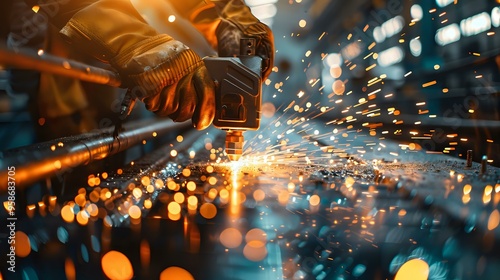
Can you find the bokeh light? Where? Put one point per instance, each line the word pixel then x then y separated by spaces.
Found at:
pixel 256 234
pixel 69 269
pixel 135 212
pixel 415 269
pixel 23 246
pixel 67 214
pixel 259 195
pixel 338 87
pixel 174 208
pixel 255 250
pixel 117 266
pixel 208 210
pixel 175 272
pixel 494 220
pixel 314 200
pixel 231 238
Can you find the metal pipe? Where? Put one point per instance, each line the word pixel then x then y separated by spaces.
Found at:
pixel 35 162
pixel 40 61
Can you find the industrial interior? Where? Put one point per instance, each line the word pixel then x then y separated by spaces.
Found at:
pixel 376 156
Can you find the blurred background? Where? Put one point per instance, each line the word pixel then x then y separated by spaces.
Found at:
pixel 418 71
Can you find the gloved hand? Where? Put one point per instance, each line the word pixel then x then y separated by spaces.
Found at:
pixel 190 97
pixel 234 20
pixel 175 83
pixel 239 22
pixel 165 74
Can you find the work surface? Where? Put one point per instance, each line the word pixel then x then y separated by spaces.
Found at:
pixel 386 214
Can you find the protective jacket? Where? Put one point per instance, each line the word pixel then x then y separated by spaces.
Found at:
pixel 164 73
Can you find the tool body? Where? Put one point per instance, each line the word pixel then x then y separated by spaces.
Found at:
pixel 238 95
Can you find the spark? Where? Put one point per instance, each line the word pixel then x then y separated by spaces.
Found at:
pixel 428 84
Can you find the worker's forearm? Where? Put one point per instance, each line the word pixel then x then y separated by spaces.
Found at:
pixel 221 4
pixel 187 8
pixel 235 10
pixel 59 11
pixel 104 28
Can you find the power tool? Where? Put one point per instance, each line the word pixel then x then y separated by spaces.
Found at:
pixel 238 94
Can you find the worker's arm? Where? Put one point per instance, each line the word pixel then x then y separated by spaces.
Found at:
pixel 59 12
pixel 238 22
pixel 224 22
pixel 168 76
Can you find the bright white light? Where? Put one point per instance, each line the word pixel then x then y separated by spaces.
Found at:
pixel 326 79
pixel 393 26
pixel 264 11
pixel 378 34
pixel 302 23
pixel 333 59
pixel 388 29
pixel 495 17
pixel 444 3
pixel 390 56
pixel 395 72
pixel 475 24
pixel 415 47
pixel 448 34
pixel 268 21
pixel 416 11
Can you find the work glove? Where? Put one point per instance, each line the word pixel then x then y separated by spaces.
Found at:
pixel 166 75
pixel 232 20
pixel 174 83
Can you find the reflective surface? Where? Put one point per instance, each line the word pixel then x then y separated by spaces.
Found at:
pixel 198 215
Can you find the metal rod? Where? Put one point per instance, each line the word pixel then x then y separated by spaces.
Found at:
pixel 40 61
pixel 35 162
pixel 484 165
pixel 469 158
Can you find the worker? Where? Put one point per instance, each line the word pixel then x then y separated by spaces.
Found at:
pixel 168 76
pixel 45 106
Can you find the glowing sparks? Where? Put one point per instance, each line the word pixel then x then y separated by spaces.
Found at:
pixel 428 84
